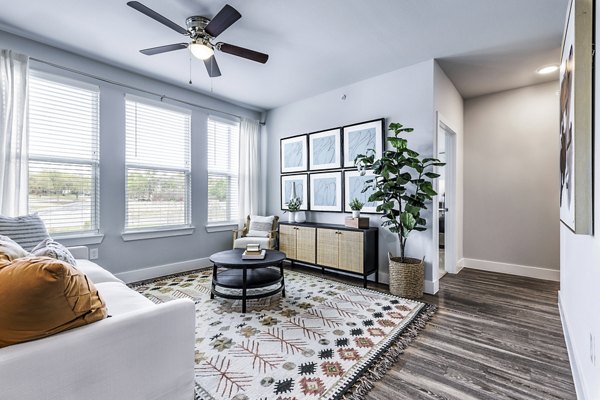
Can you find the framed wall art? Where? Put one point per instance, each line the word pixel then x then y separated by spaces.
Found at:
pixel 294 183
pixel 354 183
pixel 576 118
pixel 326 191
pixel 359 138
pixel 294 154
pixel 325 149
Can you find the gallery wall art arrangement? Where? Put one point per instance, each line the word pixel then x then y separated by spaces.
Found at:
pixel 319 166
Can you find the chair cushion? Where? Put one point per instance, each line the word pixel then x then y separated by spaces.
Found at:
pixel 26 230
pixel 53 249
pixel 120 299
pixel 265 243
pixel 260 226
pixel 40 296
pixel 96 273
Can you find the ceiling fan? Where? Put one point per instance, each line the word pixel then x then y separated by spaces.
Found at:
pixel 202 31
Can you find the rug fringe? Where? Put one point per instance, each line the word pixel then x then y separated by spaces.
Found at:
pixel 366 382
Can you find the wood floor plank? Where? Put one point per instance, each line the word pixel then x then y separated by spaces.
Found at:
pixel 495 336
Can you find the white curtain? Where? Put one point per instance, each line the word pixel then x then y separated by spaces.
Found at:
pixel 14 75
pixel 249 175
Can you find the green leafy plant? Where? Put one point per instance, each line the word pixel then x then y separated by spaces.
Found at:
pixel 294 204
pixel 402 183
pixel 356 205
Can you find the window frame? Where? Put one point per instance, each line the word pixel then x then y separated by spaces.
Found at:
pixel 159 231
pixel 92 235
pixel 215 226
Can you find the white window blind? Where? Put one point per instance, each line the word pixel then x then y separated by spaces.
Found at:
pixel 223 160
pixel 63 153
pixel 158 165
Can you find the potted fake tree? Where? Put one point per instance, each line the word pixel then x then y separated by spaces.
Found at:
pixel 402 186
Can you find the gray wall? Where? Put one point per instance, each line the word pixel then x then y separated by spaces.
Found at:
pixel 511 186
pixel 404 96
pixel 115 254
pixel 579 278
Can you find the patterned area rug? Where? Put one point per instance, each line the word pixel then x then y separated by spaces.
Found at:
pixel 325 340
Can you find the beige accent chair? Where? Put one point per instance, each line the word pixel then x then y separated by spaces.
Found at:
pixel 261 230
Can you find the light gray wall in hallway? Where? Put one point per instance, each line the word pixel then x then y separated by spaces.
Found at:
pixel 511 148
pixel 404 96
pixel 115 254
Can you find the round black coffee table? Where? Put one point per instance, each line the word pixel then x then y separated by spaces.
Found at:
pixel 247 275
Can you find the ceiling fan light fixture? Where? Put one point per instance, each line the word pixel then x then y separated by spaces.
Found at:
pixel 202 50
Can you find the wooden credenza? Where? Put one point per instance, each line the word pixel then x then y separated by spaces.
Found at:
pixel 329 246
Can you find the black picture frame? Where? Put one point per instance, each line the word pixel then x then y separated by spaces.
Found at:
pixel 378 125
pixel 303 139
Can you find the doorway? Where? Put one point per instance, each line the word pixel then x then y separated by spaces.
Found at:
pixel 444 211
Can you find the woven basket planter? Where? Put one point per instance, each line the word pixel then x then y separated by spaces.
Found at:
pixel 406 278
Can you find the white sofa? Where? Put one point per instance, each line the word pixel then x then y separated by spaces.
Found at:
pixel 143 351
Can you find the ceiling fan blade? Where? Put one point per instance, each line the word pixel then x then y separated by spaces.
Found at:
pixel 243 52
pixel 136 5
pixel 223 20
pixel 212 67
pixel 163 49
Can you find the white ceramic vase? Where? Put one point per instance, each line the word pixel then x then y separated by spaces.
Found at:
pixel 300 216
pixel 355 213
pixel 291 216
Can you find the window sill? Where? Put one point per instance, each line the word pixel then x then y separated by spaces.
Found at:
pixel 220 227
pixel 143 234
pixel 81 239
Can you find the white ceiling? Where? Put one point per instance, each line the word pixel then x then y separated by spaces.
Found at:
pixel 314 45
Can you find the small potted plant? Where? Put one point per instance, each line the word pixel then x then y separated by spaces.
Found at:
pixel 356 205
pixel 293 207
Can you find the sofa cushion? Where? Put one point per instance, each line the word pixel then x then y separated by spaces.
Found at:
pixel 40 296
pixel 27 230
pixel 10 250
pixel 96 273
pixel 51 248
pixel 120 299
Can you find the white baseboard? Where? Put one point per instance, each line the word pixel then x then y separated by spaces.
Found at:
pixel 580 387
pixel 162 270
pixel 384 277
pixel 431 287
pixel 460 265
pixel 513 269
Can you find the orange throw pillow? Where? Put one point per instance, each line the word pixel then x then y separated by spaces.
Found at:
pixel 40 296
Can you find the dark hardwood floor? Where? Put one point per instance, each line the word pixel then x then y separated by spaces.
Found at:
pixel 494 336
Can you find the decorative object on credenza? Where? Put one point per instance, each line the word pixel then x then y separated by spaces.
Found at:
pixel 325 149
pixel 358 138
pixel 576 97
pixel 294 154
pixel 326 191
pixel 402 182
pixel 294 183
pixel 356 205
pixel 359 222
pixel 293 207
pixel 355 188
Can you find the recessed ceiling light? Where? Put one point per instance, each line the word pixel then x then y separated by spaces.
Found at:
pixel 547 69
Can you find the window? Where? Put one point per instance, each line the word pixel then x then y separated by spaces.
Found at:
pixel 157 158
pixel 63 153
pixel 223 157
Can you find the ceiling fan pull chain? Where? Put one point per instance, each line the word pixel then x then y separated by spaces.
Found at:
pixel 190 68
